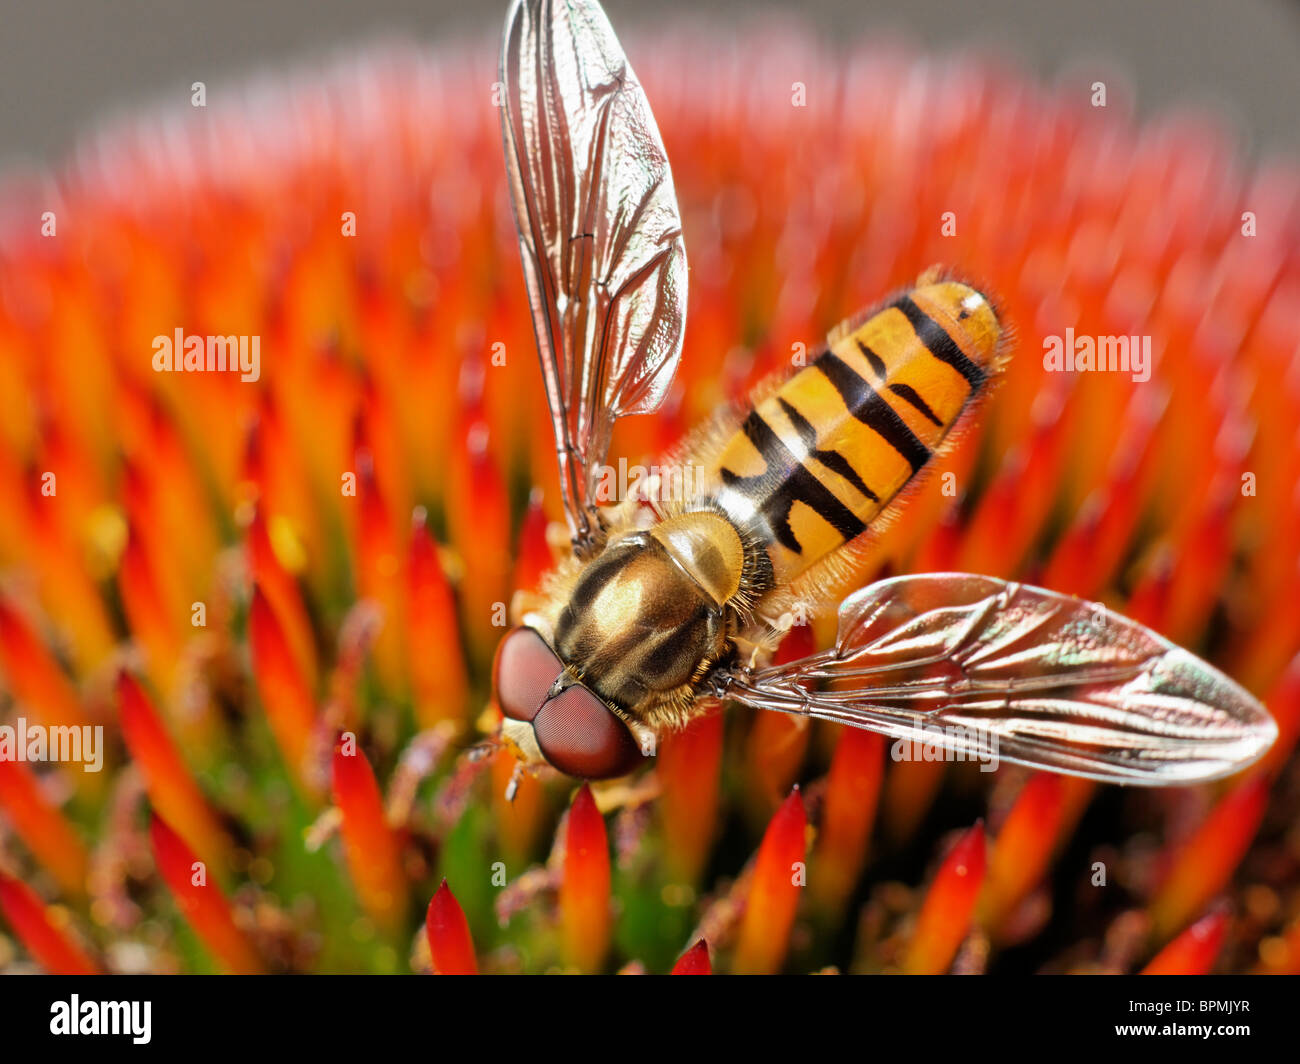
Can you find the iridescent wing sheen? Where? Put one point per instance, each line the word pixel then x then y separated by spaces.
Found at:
pixel 982 666
pixel 599 232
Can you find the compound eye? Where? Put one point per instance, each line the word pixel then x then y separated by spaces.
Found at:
pixel 580 736
pixel 524 670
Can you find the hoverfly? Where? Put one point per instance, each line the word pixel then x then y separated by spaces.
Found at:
pixel 666 602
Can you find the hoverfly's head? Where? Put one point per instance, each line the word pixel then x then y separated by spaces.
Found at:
pixel 552 718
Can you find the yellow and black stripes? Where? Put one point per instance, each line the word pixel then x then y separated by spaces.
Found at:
pixel 817 461
pixel 938 341
pixel 867 405
pixel 785 481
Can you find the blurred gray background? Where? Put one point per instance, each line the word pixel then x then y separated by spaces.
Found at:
pixel 64 64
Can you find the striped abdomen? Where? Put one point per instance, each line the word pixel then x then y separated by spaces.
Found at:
pixel 815 462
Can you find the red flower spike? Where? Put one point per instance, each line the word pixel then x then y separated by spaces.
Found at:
pixel 52 949
pixel 533 558
pixel 373 850
pixel 201 901
pixel 44 830
pixel 1284 704
pixel 774 888
pixel 848 813
pixel 143 500
pixel 282 688
pixel 1262 656
pixel 1023 848
pixel 695 961
pixel 1003 525
pixel 172 788
pixel 584 887
pixel 1201 866
pixel 946 914
pixel 281 590
pixel 450 944
pixel 1194 951
pixel 479 523
pixel 437 661
pixel 33 675
pixel 152 625
pixel 689 767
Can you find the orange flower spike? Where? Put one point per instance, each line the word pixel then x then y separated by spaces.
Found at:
pixel 689 767
pixel 585 922
pixel 1076 794
pixel 695 961
pixel 518 822
pixel 281 589
pixel 450 943
pixel 436 661
pixel 848 813
pixel 147 612
pixel 282 688
pixel 774 889
pixel 200 901
pixel 68 571
pixel 142 498
pixel 281 487
pixel 172 788
pixel 44 830
pixel 33 675
pixel 39 929
pixel 777 742
pixel 373 849
pixel 379 574
pixel 1023 848
pixel 479 520
pixel 1194 951
pixel 910 789
pixel 181 505
pixel 1201 866
pixel 949 906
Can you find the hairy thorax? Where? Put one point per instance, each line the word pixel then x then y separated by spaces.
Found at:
pixel 652 612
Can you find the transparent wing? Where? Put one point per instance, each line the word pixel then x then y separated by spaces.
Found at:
pixel 981 665
pixel 599 231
